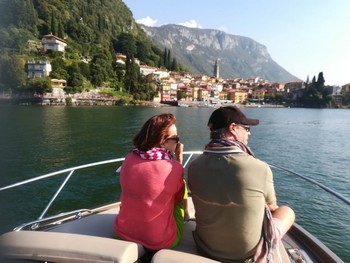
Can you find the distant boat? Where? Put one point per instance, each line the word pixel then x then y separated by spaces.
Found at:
pixel 206 105
pixel 182 104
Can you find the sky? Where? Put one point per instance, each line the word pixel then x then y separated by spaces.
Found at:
pixel 305 37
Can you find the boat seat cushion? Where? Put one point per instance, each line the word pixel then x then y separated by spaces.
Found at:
pixel 187 251
pixel 173 256
pixel 65 247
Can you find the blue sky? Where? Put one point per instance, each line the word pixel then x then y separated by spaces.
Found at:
pixel 303 36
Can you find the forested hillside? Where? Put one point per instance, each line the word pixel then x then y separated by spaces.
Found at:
pixel 93 29
pixel 87 23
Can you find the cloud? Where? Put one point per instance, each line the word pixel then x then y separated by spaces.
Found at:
pixel 147 21
pixel 192 23
pixel 223 28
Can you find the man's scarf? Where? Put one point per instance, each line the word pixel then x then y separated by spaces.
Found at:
pixel 229 142
pixel 268 242
pixel 154 154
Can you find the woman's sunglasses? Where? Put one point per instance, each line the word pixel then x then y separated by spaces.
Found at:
pixel 176 138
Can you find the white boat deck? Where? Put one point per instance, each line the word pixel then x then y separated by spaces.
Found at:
pixel 91 239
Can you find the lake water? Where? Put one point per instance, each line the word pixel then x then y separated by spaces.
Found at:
pixel 36 140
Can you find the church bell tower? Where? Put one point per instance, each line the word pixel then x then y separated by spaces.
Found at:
pixel 216 69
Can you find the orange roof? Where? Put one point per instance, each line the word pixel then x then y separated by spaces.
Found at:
pixel 53 36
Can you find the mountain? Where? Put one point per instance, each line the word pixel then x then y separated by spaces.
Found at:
pixel 198 49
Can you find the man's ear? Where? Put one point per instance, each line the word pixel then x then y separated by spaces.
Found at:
pixel 231 128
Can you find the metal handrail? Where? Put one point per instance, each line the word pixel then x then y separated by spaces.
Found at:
pixel 34 224
pixel 326 188
pixel 70 170
pixel 56 194
pixel 190 157
pixel 60 172
pixel 190 153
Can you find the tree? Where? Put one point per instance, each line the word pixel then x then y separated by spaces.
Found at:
pixel 81 33
pixel 14 38
pixel 60 29
pixel 346 96
pixel 125 44
pixel 57 63
pixel 42 7
pixel 100 22
pixel 54 24
pixel 165 57
pixel 84 69
pixel 168 60
pixel 307 80
pixel 101 68
pixel 142 51
pixel 174 65
pixel 315 94
pixel 76 80
pixel 119 70
pixel 59 70
pixel 98 74
pixel 313 80
pixel 73 68
pixel 40 85
pixel 320 81
pixel 132 72
pixel 59 74
pixel 12 74
pixel 18 13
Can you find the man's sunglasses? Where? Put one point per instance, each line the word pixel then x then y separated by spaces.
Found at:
pixel 247 128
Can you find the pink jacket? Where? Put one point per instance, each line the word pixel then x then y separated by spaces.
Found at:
pixel 149 191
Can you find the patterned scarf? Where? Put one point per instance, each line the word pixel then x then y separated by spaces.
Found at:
pixel 268 242
pixel 154 154
pixel 229 142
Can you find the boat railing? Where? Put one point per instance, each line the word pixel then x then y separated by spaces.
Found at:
pixel 324 187
pixel 188 155
pixel 34 224
pixel 70 172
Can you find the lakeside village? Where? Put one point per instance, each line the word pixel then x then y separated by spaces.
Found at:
pixel 173 88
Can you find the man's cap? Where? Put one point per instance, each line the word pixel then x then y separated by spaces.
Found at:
pixel 224 116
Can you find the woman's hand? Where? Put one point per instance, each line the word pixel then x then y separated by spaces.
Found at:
pixel 178 152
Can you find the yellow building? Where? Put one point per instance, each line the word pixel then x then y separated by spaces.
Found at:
pixel 237 96
pixel 203 94
pixel 258 94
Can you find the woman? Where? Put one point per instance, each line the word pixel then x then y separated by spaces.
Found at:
pixel 152 187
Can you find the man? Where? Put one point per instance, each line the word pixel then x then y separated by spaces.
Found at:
pixel 233 193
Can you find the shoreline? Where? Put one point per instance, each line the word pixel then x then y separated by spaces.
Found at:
pixel 35 101
pixel 114 102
